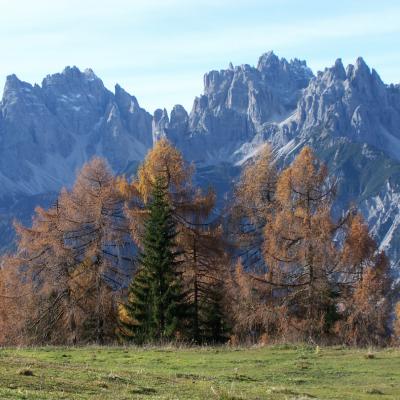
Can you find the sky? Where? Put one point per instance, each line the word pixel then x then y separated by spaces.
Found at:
pixel 159 50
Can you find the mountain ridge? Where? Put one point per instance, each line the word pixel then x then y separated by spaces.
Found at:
pixel 348 115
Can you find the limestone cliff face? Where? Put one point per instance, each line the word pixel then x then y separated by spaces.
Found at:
pixel 352 103
pixel 48 131
pixel 240 103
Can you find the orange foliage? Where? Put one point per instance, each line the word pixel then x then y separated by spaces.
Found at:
pixel 252 206
pixel 14 303
pixel 320 275
pixel 167 162
pixel 368 309
pixel 72 257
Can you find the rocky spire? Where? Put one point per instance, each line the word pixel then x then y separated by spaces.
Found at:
pixel 160 123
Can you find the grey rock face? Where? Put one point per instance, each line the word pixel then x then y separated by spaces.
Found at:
pixel 240 103
pixel 354 103
pixel 279 101
pixel 349 116
pixel 178 126
pixel 160 123
pixel 48 131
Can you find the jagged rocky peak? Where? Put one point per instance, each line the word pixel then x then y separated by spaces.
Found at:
pixel 358 72
pixel 13 82
pixel 179 115
pixel 161 116
pixel 175 127
pixel 160 123
pixel 79 99
pixel 217 81
pixel 14 87
pixel 267 61
pixel 366 81
pixel 74 83
pixel 72 72
pixel 89 73
pixel 277 70
pixel 356 105
pixel 239 104
pixel 125 100
pixel 178 126
pixel 49 131
pixel 337 71
pixel 21 101
pixel 134 119
pixel 73 77
pixel 359 69
pixel 270 65
pixel 242 86
pixel 244 98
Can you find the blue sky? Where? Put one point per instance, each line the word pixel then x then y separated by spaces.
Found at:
pixel 159 50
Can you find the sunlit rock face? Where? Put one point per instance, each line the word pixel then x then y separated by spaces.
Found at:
pixel 49 131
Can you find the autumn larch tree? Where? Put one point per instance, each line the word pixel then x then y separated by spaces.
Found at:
pixel 204 264
pixel 76 255
pixel 317 268
pixel 15 303
pixel 298 243
pixel 367 304
pixel 252 204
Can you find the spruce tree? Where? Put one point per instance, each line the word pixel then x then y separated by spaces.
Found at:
pixel 155 306
pixel 135 314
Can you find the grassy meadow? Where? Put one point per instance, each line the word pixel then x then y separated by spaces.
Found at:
pixel 276 372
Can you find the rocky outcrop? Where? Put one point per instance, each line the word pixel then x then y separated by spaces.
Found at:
pixel 48 131
pixel 355 104
pixel 238 104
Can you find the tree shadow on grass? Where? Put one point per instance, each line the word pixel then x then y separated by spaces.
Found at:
pixel 144 390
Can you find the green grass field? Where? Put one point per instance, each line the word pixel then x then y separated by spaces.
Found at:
pixel 278 372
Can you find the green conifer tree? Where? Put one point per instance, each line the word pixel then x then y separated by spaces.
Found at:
pixel 135 314
pixel 155 309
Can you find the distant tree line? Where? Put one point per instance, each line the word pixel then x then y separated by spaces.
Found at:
pixel 150 260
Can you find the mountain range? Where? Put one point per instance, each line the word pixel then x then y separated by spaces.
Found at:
pixel 348 115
